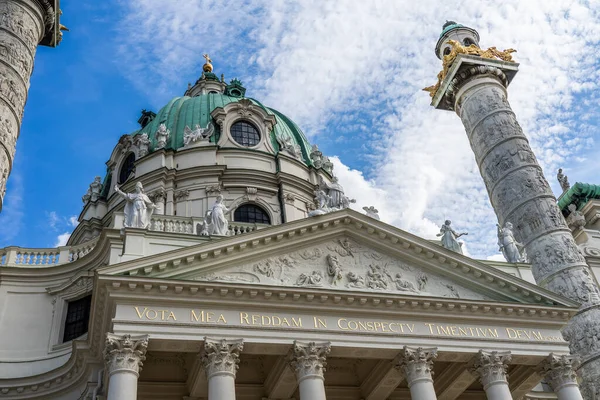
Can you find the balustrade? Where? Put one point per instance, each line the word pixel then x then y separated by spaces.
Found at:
pixel 25 257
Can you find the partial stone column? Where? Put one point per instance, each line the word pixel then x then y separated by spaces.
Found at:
pixel 521 195
pixel 490 368
pixel 23 24
pixel 123 356
pixel 417 365
pixel 559 372
pixel 308 360
pixel 220 361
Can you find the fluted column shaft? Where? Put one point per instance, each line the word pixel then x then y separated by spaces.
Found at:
pixel 309 361
pixel 22 25
pixel 417 366
pixel 123 356
pixel 220 361
pixel 559 372
pixel 490 368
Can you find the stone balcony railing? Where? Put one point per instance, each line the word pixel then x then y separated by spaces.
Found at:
pixel 23 257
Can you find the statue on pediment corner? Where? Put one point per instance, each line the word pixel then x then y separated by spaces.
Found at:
pixel 563 180
pixel 509 247
pixel 372 212
pixel 449 237
pixel 330 197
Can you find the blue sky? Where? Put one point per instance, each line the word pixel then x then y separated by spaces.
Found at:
pixel 347 72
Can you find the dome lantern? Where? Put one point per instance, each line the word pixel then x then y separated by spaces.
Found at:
pixel 208 81
pixel 454 31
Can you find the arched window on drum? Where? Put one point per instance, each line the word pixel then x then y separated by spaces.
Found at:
pixel 252 214
pixel 127 168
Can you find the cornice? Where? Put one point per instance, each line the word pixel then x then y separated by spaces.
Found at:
pixel 210 256
pixel 169 290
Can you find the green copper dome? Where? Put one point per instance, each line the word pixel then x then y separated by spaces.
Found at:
pixel 191 111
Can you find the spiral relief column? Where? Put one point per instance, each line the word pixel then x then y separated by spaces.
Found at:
pixel 24 24
pixel 473 84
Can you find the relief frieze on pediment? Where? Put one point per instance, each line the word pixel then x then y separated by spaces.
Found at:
pixel 343 264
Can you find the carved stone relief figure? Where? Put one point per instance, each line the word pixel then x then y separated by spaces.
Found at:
pixel 377 277
pixel 334 270
pixel 313 279
pixel 355 281
pixel 404 285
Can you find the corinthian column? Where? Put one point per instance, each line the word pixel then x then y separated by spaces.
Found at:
pixel 490 369
pixel 308 360
pixel 123 356
pixel 474 86
pixel 23 25
pixel 220 361
pixel 417 365
pixel 559 373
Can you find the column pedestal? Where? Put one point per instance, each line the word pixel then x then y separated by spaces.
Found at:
pixel 220 361
pixel 417 365
pixel 308 360
pixel 559 371
pixel 123 356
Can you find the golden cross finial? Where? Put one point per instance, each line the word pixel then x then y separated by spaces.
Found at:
pixel 207 67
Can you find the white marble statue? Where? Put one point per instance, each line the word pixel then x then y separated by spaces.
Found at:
pixel 138 207
pixel 198 134
pixel 162 135
pixel 218 224
pixel 330 197
pixel 510 248
pixel 94 190
pixel 575 220
pixel 143 144
pixel 316 156
pixel 449 237
pixel 563 180
pixel 287 144
pixel 372 212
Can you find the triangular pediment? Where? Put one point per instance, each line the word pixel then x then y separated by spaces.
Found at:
pixel 340 251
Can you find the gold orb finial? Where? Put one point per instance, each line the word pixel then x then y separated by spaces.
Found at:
pixel 207 67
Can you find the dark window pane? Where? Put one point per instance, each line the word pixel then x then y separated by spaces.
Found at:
pixel 251 213
pixel 127 167
pixel 78 318
pixel 245 134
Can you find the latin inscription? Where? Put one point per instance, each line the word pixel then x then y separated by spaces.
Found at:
pixel 339 324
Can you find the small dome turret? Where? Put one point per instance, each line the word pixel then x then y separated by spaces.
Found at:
pixel 455 31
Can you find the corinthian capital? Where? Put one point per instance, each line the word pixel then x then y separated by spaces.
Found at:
pixel 490 367
pixel 221 356
pixel 417 363
pixel 125 353
pixel 559 370
pixel 308 359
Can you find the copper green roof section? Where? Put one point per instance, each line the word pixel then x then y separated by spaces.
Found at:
pixel 191 111
pixel 450 27
pixel 578 194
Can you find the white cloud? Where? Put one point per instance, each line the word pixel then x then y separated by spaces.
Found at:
pixel 73 221
pixel 53 219
pixel 353 67
pixel 61 240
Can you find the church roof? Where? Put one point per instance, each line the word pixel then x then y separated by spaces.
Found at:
pixel 578 194
pixel 191 111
